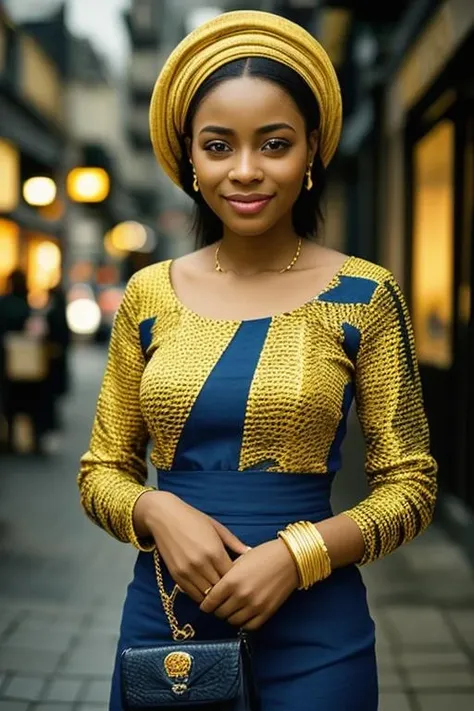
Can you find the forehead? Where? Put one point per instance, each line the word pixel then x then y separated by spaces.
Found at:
pixel 245 100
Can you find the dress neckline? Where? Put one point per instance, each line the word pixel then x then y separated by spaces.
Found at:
pixel 210 319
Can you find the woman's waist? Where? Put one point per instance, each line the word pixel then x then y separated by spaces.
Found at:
pixel 252 497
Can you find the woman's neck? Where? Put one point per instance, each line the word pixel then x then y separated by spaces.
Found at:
pixel 247 256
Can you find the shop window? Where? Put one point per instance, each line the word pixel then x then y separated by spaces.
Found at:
pixel 9 250
pixel 433 245
pixel 9 176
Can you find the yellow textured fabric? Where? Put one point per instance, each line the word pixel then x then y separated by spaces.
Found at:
pixel 294 407
pixel 231 36
pixel 114 471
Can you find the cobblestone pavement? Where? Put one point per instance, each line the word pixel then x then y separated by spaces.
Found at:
pixel 62 582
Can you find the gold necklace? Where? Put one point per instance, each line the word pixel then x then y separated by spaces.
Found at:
pixel 218 267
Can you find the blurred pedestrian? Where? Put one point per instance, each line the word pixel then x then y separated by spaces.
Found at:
pixel 57 384
pixel 14 314
pixel 240 362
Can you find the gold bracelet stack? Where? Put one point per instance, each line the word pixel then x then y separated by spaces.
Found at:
pixel 309 552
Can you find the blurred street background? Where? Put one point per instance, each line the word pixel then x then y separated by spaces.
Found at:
pixel 83 205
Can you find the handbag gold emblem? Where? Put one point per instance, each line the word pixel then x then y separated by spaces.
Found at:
pixel 178 666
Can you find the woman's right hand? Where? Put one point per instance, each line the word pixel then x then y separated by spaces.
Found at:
pixel 192 544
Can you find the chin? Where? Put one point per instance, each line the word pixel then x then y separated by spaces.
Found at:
pixel 249 227
pixel 249 230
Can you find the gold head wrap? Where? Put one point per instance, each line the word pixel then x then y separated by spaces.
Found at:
pixel 231 36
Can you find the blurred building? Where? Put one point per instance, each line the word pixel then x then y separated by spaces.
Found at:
pixel 143 21
pixel 97 156
pixel 107 234
pixel 155 28
pixel 32 147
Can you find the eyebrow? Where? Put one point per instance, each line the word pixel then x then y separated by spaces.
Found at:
pixel 222 131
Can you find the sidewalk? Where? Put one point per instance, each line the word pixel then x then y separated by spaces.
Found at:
pixel 62 582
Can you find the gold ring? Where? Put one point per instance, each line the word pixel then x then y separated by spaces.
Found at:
pixel 208 590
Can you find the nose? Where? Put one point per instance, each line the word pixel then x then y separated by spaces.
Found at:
pixel 246 169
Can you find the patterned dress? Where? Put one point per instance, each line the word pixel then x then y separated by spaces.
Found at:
pixel 247 419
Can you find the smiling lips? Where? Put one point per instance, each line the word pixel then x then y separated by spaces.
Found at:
pixel 248 204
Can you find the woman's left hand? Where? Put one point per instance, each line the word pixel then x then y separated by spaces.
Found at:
pixel 255 587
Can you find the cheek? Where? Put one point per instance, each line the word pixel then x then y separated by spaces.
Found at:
pixel 287 172
pixel 211 173
pixel 289 179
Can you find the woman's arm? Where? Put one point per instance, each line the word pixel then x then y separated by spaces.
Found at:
pixel 400 469
pixel 113 471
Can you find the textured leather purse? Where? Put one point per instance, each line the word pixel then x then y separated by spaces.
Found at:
pixel 214 675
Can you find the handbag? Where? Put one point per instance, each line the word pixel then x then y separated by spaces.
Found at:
pixel 214 675
pixel 26 357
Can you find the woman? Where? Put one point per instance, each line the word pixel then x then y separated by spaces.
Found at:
pixel 240 361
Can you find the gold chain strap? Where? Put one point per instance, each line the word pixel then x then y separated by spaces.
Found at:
pixel 179 633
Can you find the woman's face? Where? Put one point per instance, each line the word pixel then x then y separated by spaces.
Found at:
pixel 251 153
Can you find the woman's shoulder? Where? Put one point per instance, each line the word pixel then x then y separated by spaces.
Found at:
pixel 147 290
pixel 378 291
pixel 356 280
pixel 360 268
pixel 149 276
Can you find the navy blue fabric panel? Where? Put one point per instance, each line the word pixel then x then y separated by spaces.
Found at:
pixel 351 341
pixel 145 328
pixel 260 495
pixel 212 435
pixel 334 458
pixel 351 290
pixel 409 359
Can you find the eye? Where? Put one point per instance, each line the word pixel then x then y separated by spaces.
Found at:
pixel 216 147
pixel 276 144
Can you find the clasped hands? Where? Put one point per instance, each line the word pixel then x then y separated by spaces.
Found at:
pixel 255 587
pixel 247 591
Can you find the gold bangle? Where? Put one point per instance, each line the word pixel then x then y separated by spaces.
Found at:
pixel 304 549
pixel 320 550
pixel 309 552
pixel 299 552
pixel 283 535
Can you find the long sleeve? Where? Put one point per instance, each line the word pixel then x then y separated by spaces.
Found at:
pixel 400 469
pixel 113 471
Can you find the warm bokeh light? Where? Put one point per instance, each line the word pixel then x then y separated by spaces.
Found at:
pixel 38 299
pixel 48 256
pixel 107 275
pixel 111 249
pixel 109 300
pixel 9 176
pixel 54 211
pixel 81 271
pixel 44 264
pixel 129 236
pixel 39 191
pixel 9 250
pixel 88 184
pixel 80 291
pixel 83 316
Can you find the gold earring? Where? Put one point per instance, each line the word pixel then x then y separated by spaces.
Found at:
pixel 195 181
pixel 309 179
